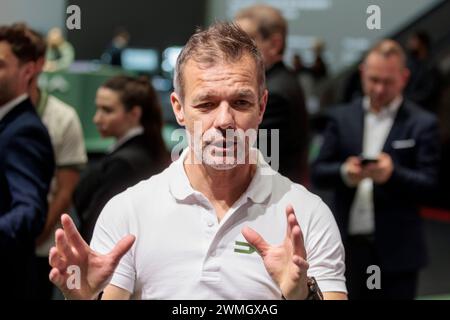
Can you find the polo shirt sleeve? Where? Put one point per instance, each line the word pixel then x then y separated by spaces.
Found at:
pixel 326 255
pixel 72 151
pixel 113 224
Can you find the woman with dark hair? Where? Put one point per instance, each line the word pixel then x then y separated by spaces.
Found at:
pixel 128 110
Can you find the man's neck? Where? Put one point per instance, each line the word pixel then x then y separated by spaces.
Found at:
pixel 377 108
pixel 35 95
pixel 222 187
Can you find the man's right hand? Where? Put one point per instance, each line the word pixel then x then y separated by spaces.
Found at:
pixel 353 171
pixel 96 269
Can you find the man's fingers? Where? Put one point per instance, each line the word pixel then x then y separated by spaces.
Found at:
pixel 301 263
pixel 289 211
pixel 255 239
pixel 72 234
pixel 56 260
pixel 56 277
pixel 298 242
pixel 294 232
pixel 291 220
pixel 121 248
pixel 62 245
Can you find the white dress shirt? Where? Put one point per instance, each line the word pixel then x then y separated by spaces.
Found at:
pixel 376 129
pixel 6 108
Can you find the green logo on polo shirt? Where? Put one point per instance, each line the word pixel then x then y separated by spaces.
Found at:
pixel 243 247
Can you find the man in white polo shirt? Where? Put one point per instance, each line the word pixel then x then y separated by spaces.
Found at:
pixel 210 226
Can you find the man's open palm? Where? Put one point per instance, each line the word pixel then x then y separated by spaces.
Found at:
pixel 96 269
pixel 286 263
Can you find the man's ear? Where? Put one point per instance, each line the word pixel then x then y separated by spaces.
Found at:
pixel 177 107
pixel 262 105
pixel 39 65
pixel 29 70
pixel 406 75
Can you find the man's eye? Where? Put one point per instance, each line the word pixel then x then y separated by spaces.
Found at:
pixel 241 103
pixel 206 105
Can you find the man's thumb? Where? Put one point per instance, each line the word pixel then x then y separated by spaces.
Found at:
pixel 255 239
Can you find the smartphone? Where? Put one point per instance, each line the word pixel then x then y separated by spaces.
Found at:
pixel 365 161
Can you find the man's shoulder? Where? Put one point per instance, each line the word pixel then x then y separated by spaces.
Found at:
pixel 60 110
pixel 281 79
pixel 295 193
pixel 419 114
pixel 344 110
pixel 23 121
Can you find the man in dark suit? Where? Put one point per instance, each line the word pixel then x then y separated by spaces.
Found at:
pixel 286 110
pixel 380 156
pixel 26 166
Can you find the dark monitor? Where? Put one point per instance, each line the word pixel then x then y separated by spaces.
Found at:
pixel 140 60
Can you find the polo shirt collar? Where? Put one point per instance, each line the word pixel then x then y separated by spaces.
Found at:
pixel 179 184
pixel 258 190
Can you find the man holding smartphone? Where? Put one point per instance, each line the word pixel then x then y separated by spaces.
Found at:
pixel 380 155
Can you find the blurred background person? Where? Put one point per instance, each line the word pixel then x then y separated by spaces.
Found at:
pixel 60 53
pixel 285 110
pixel 424 84
pixel 26 166
pixel 113 54
pixel 66 135
pixel 380 157
pixel 318 70
pixel 312 77
pixel 128 110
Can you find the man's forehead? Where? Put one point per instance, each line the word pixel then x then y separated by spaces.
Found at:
pixel 378 60
pixel 5 49
pixel 241 76
pixel 204 62
pixel 249 26
pixel 6 52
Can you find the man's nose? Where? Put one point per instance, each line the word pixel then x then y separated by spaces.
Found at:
pixel 380 88
pixel 225 116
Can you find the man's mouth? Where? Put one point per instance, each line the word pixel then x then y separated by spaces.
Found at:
pixel 223 144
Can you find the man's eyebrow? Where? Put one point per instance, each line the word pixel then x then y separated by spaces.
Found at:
pixel 245 93
pixel 203 97
pixel 241 94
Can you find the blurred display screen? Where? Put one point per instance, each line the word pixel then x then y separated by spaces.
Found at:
pixel 140 60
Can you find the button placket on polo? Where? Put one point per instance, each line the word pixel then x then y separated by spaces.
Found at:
pixel 209 223
pixel 211 261
pixel 214 233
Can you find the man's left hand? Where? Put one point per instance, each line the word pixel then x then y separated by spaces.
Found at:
pixel 381 171
pixel 286 263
